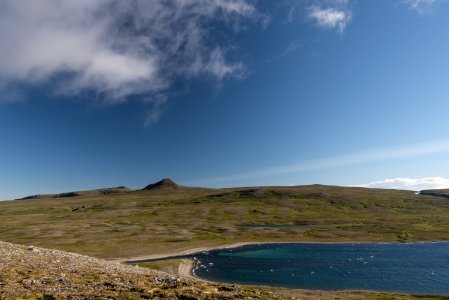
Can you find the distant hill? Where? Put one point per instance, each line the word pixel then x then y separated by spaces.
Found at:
pixel 164 184
pixel 168 185
pixel 97 192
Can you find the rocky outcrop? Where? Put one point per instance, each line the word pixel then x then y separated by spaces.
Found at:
pixel 164 184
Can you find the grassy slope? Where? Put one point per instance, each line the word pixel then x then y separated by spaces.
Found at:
pixel 161 221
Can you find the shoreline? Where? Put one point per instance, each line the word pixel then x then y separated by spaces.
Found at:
pixel 154 257
pixel 188 266
pixel 192 251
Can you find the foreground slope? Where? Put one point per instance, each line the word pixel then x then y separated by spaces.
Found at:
pixel 33 273
pixel 37 273
pixel 161 221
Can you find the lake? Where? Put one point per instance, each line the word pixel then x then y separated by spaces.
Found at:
pixel 421 268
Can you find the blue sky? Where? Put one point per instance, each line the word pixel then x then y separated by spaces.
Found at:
pixel 222 93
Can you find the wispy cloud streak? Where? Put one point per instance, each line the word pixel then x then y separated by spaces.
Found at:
pixel 420 6
pixel 368 156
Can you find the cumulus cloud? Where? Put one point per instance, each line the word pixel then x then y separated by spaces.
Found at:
pixel 331 17
pixel 414 184
pixel 328 14
pixel 117 48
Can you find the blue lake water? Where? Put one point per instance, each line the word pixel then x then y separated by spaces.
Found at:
pixel 421 268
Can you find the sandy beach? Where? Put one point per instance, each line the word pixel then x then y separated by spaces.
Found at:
pixel 185 268
pixel 194 250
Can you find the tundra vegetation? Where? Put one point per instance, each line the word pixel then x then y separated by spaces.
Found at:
pixel 167 218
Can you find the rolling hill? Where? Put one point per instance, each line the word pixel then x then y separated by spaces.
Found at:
pixel 165 217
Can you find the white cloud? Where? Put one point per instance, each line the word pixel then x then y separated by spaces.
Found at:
pixel 331 17
pixel 414 184
pixel 420 6
pixel 116 48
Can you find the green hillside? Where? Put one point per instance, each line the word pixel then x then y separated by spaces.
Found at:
pixel 168 218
